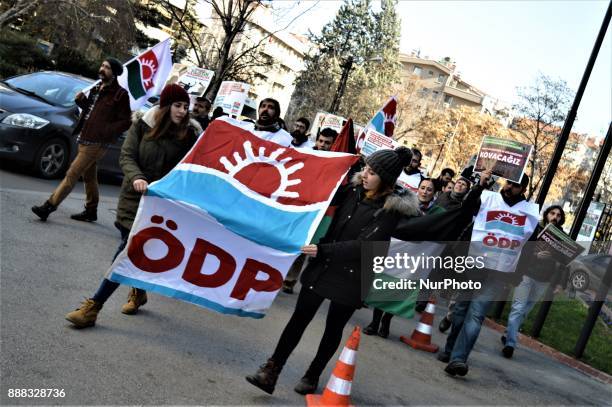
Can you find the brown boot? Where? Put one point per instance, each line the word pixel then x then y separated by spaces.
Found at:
pixel 86 314
pixel 136 299
pixel 265 378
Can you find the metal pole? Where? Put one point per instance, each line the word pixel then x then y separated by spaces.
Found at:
pixel 594 310
pixel 554 161
pixel 571 116
pixel 346 69
pixel 580 214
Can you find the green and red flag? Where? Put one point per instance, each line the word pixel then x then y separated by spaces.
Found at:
pixel 145 75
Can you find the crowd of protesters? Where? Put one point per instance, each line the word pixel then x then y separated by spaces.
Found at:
pixel 369 208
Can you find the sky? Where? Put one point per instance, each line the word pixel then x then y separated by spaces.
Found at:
pixel 501 45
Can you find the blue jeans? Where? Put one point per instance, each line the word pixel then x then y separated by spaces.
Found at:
pixel 528 292
pixel 467 320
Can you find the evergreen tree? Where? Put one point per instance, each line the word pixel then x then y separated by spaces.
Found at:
pixel 372 40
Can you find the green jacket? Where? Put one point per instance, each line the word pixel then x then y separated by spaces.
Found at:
pixel 142 158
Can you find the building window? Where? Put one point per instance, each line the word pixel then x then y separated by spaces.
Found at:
pixel 417 70
pixel 448 99
pixel 440 78
pixel 430 73
pixel 435 93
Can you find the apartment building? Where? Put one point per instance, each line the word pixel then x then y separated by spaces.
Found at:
pixel 440 81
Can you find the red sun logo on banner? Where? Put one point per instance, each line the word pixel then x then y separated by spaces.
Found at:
pixel 272 176
pixel 148 66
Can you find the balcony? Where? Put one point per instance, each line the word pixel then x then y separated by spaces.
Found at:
pixel 461 94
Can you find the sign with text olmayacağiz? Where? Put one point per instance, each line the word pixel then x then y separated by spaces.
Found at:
pixel 506 158
pixel 560 245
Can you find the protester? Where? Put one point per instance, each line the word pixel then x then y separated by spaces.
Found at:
pixel 425 194
pixel 415 163
pixel 104 117
pixel 448 200
pixel 218 112
pixel 541 269
pixel 469 313
pixel 448 187
pixel 267 126
pixel 300 133
pixel 325 139
pixel 368 211
pixel 155 143
pixel 447 174
pixel 201 108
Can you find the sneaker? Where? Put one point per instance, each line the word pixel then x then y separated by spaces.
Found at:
pixel 456 368
pixel 136 299
pixel 306 385
pixel 444 357
pixel 43 211
pixel 87 215
pixel 445 323
pixel 86 314
pixel 266 376
pixel 508 351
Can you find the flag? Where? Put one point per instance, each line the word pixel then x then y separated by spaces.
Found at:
pixel 383 121
pixel 223 227
pixel 145 75
pixel 345 142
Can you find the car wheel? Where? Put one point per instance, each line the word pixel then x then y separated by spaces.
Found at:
pixel 52 159
pixel 579 280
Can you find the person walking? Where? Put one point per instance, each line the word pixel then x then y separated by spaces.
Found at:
pixel 104 117
pixel 541 269
pixel 155 143
pixel 368 211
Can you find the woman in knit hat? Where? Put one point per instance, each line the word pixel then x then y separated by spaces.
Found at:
pixel 368 210
pixel 155 143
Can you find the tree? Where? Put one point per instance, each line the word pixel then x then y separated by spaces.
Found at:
pixel 541 109
pixel 371 39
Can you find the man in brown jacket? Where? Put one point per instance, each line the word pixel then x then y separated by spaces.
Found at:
pixel 105 115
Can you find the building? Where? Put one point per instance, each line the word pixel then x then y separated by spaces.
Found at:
pixel 285 51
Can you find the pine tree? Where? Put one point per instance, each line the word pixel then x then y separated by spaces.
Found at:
pixel 372 40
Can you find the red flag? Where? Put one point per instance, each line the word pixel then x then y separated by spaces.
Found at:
pixel 345 142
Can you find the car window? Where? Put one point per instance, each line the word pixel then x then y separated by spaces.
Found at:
pixel 56 88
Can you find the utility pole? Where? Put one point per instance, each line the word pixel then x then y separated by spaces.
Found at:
pixel 346 70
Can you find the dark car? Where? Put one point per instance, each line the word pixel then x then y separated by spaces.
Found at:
pixel 37 119
pixel 587 272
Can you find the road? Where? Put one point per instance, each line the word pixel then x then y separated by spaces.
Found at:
pixel 177 353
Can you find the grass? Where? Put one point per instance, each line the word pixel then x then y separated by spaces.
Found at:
pixel 562 329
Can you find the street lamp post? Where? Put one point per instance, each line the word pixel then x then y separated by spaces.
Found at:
pixel 346 69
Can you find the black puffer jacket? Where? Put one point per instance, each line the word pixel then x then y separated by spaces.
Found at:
pixel 336 271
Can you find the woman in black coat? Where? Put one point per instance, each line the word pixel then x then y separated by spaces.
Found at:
pixel 368 211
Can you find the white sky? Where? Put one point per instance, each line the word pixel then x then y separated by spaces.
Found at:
pixel 499 45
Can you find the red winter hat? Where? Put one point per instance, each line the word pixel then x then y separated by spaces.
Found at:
pixel 173 93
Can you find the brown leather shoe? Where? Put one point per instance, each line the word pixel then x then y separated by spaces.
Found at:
pixel 265 378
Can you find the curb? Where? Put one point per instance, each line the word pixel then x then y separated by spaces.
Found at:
pixel 533 344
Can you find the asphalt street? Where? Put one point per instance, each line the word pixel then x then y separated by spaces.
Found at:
pixel 179 354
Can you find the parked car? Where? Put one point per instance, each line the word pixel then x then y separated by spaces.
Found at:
pixel 37 118
pixel 588 271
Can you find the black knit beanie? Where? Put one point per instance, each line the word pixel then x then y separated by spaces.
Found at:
pixel 388 164
pixel 116 66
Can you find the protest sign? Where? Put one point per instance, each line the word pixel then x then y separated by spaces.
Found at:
pixel 590 223
pixel 326 120
pixel 223 227
pixel 383 122
pixel 506 158
pixel 560 245
pixel 231 97
pixel 193 79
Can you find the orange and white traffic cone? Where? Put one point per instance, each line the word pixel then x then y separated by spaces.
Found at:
pixel 338 389
pixel 421 336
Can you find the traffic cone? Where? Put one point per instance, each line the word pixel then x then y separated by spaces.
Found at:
pixel 338 389
pixel 421 336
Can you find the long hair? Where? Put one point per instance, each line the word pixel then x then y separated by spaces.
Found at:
pixel 550 208
pixel 164 127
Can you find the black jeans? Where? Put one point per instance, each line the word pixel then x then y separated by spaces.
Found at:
pixel 378 315
pixel 308 303
pixel 107 287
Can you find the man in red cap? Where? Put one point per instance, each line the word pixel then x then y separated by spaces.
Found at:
pixel 105 115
